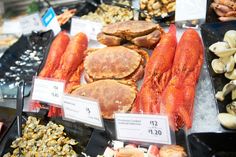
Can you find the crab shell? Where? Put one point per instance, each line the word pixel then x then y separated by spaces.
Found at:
pixel 112 96
pixel 116 62
pixel 141 33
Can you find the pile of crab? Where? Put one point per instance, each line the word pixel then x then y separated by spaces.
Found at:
pixel 111 72
pixel 170 74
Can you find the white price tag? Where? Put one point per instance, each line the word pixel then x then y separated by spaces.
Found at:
pixel 48 91
pixel 190 10
pixel 31 23
pixel 49 20
pixel 143 128
pixel 83 110
pixel 90 28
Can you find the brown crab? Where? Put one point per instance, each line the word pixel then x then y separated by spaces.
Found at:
pixel 141 33
pixel 113 96
pixel 116 62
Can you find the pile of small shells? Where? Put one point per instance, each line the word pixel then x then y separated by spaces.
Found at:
pixel 225 64
pixel 41 140
pixel 107 14
pixel 156 8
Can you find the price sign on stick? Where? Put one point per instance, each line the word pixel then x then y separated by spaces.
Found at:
pixel 48 91
pixel 143 128
pixel 83 110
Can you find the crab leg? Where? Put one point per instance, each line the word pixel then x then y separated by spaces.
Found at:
pixel 178 97
pixel 157 74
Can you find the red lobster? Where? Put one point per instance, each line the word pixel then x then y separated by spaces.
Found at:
pixel 178 96
pixel 70 65
pixel 65 62
pixel 57 49
pixel 157 74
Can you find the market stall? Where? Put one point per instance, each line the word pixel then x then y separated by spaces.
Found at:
pixel 118 78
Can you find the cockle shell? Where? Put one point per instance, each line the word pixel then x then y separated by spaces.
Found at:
pixel 111 95
pixel 222 49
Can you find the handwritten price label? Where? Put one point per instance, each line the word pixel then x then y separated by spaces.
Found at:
pixel 143 128
pixel 48 91
pixel 83 110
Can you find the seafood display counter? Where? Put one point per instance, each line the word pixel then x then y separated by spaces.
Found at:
pixel 134 67
pixel 99 140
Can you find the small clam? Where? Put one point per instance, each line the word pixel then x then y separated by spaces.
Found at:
pixel 235 58
pixel 231 108
pixel 227 120
pixel 52 143
pixel 229 62
pixel 220 95
pixel 72 142
pixel 16 143
pixel 222 65
pixel 222 49
pixel 41 140
pixel 60 140
pixel 66 148
pixel 230 37
pixel 218 66
pixel 72 153
pixel 7 155
pixel 233 94
pixel 231 75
